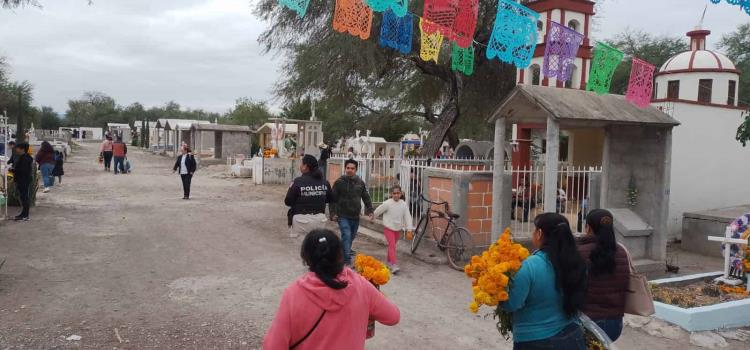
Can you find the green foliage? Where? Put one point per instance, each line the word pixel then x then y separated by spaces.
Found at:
pixel 248 112
pixel 654 49
pixel 374 86
pixel 48 119
pixel 743 131
pixel 737 47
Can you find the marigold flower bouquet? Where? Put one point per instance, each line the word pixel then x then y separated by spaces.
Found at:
pixel 377 273
pixel 491 274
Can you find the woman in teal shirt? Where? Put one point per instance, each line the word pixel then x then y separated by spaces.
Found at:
pixel 548 290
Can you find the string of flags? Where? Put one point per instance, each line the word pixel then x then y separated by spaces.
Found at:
pixel 513 39
pixel 743 4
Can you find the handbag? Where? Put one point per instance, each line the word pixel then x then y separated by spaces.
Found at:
pixel 638 299
pixel 309 332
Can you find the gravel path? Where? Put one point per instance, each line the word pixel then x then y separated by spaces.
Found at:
pixel 123 262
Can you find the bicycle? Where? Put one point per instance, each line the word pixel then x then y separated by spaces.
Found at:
pixel 455 241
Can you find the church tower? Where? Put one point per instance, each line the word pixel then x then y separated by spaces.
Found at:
pixel 574 14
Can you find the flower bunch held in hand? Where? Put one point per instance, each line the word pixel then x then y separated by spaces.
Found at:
pixel 372 269
pixel 491 274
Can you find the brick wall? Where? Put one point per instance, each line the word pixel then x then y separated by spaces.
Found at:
pixel 440 190
pixel 333 171
pixel 468 195
pixel 479 211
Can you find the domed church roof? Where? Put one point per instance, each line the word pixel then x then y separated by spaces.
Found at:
pixel 698 59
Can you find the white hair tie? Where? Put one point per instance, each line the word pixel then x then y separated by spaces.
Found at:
pixel 321 240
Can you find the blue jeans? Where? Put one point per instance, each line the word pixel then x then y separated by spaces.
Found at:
pixel 613 327
pixel 348 229
pixel 119 165
pixel 570 338
pixel 47 177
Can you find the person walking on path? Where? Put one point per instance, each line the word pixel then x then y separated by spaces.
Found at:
pixel 549 290
pixel 609 273
pixel 330 306
pixel 45 157
pixel 105 151
pixel 23 168
pixel 396 218
pixel 58 170
pixel 186 165
pixel 349 192
pixel 119 152
pixel 307 198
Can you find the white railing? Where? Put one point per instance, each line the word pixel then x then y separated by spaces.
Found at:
pixel 527 199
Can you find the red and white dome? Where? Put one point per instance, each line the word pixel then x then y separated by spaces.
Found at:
pixel 698 59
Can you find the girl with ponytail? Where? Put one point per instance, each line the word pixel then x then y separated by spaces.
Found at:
pixel 549 289
pixel 609 270
pixel 328 307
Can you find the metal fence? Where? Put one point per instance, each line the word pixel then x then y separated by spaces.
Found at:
pixel 527 199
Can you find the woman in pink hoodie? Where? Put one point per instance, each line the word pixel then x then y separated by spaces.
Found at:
pixel 329 307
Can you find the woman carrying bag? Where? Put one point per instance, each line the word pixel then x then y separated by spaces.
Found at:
pixel 609 271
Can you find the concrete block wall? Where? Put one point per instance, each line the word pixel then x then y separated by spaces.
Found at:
pixel 280 171
pixel 234 143
pixel 643 153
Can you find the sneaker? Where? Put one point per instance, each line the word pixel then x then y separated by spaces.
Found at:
pixel 45 190
pixel 21 218
pixel 395 269
pixel 18 218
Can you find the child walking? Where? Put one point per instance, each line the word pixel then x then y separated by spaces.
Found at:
pixel 58 169
pixel 396 217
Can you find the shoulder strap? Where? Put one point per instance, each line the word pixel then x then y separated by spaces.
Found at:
pixel 310 332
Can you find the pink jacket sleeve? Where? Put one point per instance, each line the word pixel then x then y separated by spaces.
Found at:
pixel 382 309
pixel 279 334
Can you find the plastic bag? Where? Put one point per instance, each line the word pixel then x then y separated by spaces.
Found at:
pixel 590 326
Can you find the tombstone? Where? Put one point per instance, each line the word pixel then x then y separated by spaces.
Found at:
pixel 736 234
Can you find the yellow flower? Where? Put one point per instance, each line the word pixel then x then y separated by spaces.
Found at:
pixel 474 307
pixel 490 271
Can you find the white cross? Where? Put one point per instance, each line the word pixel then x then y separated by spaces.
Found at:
pixel 726 241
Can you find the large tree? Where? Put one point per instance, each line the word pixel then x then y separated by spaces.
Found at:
pixel 248 112
pixel 380 83
pixel 48 119
pixel 16 97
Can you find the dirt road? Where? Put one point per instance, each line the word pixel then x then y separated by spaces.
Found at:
pixel 123 262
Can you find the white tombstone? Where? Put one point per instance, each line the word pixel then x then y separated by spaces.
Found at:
pixel 726 242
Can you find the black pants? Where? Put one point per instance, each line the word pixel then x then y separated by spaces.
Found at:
pixel 107 160
pixel 186 179
pixel 23 188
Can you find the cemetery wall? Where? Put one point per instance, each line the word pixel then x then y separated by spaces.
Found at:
pixel 709 167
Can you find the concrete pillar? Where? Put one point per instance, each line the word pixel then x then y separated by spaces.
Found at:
pixel 499 206
pixel 660 234
pixel 552 160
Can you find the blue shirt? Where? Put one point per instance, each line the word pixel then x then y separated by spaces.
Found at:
pixel 535 301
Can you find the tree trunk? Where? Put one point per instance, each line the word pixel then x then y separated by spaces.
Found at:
pixel 20 127
pixel 447 119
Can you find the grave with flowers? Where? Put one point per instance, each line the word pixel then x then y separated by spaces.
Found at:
pixel 711 301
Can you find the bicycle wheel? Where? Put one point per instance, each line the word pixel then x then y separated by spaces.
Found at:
pixel 419 233
pixel 459 248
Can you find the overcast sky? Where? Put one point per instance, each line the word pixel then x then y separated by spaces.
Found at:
pixel 204 53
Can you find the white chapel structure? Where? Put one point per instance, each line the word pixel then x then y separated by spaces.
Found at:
pixel 710 168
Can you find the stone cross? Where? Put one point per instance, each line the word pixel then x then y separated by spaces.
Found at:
pixel 727 241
